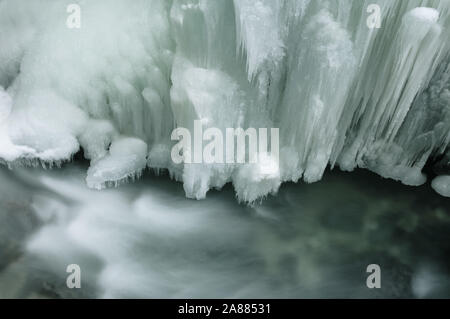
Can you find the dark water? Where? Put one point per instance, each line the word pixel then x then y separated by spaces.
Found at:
pixel 146 240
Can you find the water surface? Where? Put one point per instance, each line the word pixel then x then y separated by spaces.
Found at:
pixel 147 240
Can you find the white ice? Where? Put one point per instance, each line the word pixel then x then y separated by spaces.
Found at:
pixel 441 184
pixel 343 95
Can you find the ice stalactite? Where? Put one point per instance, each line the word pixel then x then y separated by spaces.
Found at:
pixel 384 99
pixel 342 93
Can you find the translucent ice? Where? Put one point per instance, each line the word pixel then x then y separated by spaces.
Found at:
pixel 342 93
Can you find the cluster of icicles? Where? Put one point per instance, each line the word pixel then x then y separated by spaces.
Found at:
pixel 342 93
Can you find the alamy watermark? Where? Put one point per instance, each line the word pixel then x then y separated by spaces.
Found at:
pixel 74 279
pixel 374 279
pixel 374 19
pixel 74 19
pixel 210 146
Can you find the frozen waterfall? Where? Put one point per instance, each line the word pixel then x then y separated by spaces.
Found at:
pixel 342 92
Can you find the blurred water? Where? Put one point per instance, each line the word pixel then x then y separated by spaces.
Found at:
pixel 147 240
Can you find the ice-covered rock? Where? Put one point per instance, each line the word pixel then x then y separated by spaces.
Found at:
pixel 441 184
pixel 127 158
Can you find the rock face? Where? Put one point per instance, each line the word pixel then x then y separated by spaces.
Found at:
pixel 342 91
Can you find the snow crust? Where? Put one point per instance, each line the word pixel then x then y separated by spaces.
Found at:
pixel 343 95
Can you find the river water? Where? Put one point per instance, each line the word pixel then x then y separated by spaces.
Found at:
pixel 145 239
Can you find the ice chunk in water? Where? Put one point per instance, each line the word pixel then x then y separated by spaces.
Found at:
pixel 441 184
pixel 126 159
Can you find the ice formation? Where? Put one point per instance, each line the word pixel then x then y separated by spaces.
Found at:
pixel 342 93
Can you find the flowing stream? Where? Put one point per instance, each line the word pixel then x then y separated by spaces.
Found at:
pixel 146 239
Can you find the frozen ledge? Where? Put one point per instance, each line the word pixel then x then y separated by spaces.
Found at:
pixel 342 93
